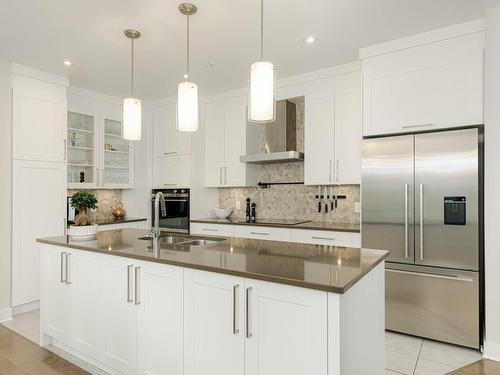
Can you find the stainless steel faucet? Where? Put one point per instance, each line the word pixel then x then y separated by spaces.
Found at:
pixel 155 232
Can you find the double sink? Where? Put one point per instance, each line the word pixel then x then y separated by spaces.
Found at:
pixel 169 239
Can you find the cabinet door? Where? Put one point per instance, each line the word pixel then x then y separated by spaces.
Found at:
pixel 160 320
pixel 286 330
pixel 433 86
pixel 214 144
pixel 55 299
pixel 39 120
pixel 85 325
pixel 348 129
pixel 262 233
pixel 118 314
pixel 172 171
pixel 213 324
pixel 226 230
pixel 319 133
pixel 167 140
pixel 118 160
pixel 39 210
pixel 235 172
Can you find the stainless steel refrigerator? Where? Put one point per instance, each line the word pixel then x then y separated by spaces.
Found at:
pixel 422 200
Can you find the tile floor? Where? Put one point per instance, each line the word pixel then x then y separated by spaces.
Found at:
pixel 404 355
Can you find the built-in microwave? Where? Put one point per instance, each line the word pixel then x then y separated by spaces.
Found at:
pixel 176 217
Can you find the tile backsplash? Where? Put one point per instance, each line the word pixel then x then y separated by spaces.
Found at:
pixel 106 200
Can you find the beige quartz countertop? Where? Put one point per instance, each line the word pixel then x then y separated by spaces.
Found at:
pixel 328 268
pixel 311 225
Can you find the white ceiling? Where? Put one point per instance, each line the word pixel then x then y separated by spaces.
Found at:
pixel 43 33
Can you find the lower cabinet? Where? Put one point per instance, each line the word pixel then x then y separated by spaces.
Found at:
pixel 242 326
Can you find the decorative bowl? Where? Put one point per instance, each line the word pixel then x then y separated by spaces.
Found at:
pixel 82 233
pixel 118 211
pixel 223 213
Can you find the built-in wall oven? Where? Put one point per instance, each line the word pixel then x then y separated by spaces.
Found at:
pixel 176 217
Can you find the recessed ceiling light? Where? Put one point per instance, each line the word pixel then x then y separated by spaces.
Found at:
pixel 67 62
pixel 310 40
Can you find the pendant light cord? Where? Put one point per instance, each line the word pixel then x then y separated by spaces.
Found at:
pixel 132 68
pixel 187 50
pixel 262 30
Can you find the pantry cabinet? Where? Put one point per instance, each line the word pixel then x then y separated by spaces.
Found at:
pixel 98 156
pixel 333 130
pixel 172 171
pixel 227 137
pixel 426 87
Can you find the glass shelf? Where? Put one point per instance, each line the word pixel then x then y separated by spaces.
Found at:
pixel 116 155
pixel 80 149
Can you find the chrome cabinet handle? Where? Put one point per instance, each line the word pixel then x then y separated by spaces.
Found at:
pixel 249 312
pixel 406 221
pixel 421 221
pixel 416 126
pixel 63 278
pixel 65 225
pixel 138 285
pixel 260 233
pixel 209 230
pixel 68 268
pixel 337 167
pixel 65 150
pixel 330 176
pixel 169 184
pixel 323 238
pixel 236 328
pixel 435 276
pixel 129 283
pixel 225 175
pixel 170 153
pixel 220 176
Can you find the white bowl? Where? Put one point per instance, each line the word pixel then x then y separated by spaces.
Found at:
pixel 82 233
pixel 223 213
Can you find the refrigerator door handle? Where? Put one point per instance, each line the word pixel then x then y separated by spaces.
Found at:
pixel 406 221
pixel 421 221
pixel 435 276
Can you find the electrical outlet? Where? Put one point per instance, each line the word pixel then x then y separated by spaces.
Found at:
pixel 357 207
pixel 238 205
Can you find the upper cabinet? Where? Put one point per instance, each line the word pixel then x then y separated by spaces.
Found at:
pixel 225 141
pixel 98 156
pixel 425 87
pixel 39 118
pixel 333 130
pixel 172 150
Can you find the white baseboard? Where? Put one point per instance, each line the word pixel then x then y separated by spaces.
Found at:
pixel 5 314
pixel 492 351
pixel 20 309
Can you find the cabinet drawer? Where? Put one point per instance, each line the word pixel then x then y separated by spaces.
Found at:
pixel 134 225
pixel 262 233
pixel 322 237
pixel 212 229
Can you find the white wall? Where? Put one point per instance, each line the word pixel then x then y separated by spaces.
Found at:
pixel 492 184
pixel 5 188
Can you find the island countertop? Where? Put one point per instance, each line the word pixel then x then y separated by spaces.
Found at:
pixel 328 268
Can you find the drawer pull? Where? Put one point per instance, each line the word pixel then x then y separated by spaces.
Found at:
pixel 260 233
pixel 323 238
pixel 416 126
pixel 209 230
pixel 170 153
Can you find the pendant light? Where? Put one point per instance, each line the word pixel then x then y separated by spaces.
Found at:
pixel 187 92
pixel 262 104
pixel 132 117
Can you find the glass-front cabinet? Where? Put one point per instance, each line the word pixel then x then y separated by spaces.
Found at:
pixel 97 155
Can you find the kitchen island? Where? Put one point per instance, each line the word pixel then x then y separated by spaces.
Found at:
pixel 214 305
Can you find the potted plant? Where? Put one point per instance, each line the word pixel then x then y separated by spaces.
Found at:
pixel 83 227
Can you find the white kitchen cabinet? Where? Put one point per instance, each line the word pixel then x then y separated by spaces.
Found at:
pixel 84 313
pixel 262 233
pixel 329 238
pixel 118 314
pixel 160 320
pixel 39 119
pixel 39 210
pixel 214 332
pixel 432 86
pixel 56 302
pixel 226 230
pixel 225 141
pixel 134 224
pixel 172 171
pixel 167 140
pixel 95 143
pixel 333 131
pixel 286 330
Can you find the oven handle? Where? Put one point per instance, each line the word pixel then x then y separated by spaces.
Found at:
pixel 174 200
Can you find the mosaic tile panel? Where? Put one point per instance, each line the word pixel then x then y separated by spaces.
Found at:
pixel 107 199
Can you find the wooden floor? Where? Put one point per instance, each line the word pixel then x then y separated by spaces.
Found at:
pixel 484 367
pixel 19 356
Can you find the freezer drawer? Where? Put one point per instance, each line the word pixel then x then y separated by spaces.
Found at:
pixel 435 303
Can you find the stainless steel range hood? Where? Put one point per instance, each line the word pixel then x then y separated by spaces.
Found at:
pixel 279 138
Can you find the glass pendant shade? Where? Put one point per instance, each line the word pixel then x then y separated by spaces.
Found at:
pixel 187 107
pixel 132 119
pixel 262 104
